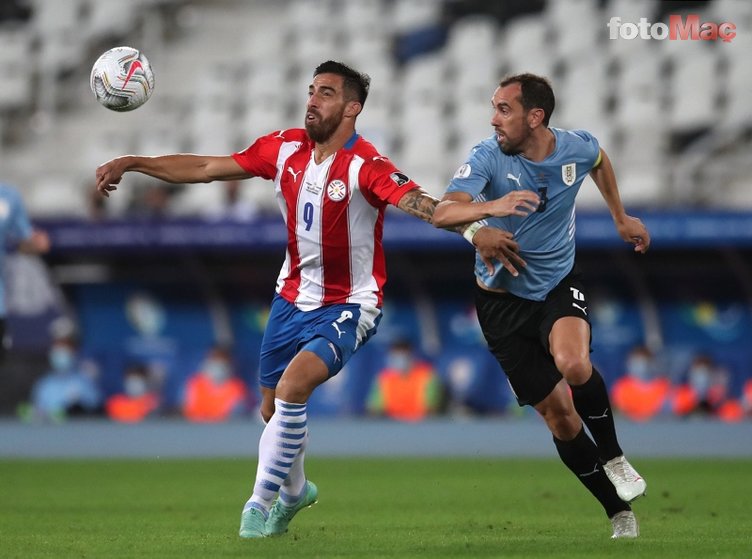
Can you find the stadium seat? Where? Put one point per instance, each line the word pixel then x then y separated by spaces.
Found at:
pixel 410 15
pixel 576 25
pixel 694 95
pixel 526 46
pixel 15 52
pixel 581 93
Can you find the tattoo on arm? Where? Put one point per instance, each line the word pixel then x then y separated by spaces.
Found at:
pixel 422 205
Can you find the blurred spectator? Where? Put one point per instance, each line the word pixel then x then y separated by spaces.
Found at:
pixel 234 207
pixel 158 351
pixel 214 393
pixel 642 393
pixel 69 388
pixel 474 383
pixel 15 230
pixel 746 400
pixel 152 201
pixel 138 400
pixel 407 389
pixel 705 392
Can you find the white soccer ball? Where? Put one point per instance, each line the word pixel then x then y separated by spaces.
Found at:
pixel 122 79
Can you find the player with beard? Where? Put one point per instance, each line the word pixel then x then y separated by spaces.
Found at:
pixel 537 323
pixel 332 187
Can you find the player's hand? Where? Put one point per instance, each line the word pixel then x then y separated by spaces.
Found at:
pixel 496 244
pixel 40 240
pixel 517 202
pixel 632 230
pixel 108 176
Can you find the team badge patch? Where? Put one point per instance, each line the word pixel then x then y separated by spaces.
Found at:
pixel 569 173
pixel 399 178
pixel 463 172
pixel 336 190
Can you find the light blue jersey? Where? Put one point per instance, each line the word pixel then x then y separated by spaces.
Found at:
pixel 14 227
pixel 546 237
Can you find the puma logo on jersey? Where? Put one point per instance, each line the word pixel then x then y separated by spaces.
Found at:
pixel 583 309
pixel 516 179
pixel 294 173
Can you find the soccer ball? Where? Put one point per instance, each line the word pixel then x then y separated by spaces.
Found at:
pixel 122 79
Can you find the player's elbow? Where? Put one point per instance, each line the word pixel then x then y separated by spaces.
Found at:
pixel 442 215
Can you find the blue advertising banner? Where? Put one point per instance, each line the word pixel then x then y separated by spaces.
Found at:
pixel 669 229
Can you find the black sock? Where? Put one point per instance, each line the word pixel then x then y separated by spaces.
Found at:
pixel 592 404
pixel 580 455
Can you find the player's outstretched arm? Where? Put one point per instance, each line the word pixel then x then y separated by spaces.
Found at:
pixel 458 208
pixel 177 168
pixel 490 242
pixel 630 229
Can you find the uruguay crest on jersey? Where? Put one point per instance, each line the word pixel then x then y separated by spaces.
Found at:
pixel 569 173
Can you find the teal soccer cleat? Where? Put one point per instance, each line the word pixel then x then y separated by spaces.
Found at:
pixel 252 524
pixel 281 515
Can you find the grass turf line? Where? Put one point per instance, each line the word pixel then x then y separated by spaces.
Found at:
pixel 368 508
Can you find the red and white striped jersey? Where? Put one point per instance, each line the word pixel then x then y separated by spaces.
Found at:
pixel 334 213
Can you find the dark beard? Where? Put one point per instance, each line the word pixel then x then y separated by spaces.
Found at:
pixel 323 130
pixel 510 150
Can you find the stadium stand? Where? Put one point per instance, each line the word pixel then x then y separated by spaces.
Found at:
pixel 648 101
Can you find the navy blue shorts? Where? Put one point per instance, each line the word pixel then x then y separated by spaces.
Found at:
pixel 343 328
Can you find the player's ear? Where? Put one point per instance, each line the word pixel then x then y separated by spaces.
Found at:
pixel 535 117
pixel 353 109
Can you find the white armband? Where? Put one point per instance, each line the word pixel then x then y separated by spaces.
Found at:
pixel 471 230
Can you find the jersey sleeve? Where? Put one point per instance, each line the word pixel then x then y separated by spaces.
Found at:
pixel 383 182
pixel 20 227
pixel 591 150
pixel 474 174
pixel 260 158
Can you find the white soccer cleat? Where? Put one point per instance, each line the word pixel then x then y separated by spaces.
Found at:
pixel 628 483
pixel 625 525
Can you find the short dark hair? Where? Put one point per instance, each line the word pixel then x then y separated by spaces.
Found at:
pixel 537 93
pixel 356 83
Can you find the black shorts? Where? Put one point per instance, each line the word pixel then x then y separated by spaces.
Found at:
pixel 517 331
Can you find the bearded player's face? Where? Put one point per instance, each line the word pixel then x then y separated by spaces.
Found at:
pixel 510 119
pixel 325 108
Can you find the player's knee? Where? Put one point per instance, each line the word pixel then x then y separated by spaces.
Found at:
pixel 576 369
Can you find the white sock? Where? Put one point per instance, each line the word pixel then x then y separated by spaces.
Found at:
pixel 294 484
pixel 279 447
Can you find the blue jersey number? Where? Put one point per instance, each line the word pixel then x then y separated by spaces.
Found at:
pixel 543 193
pixel 308 215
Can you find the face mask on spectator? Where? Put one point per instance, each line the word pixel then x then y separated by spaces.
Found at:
pixel 639 367
pixel 135 386
pixel 217 370
pixel 61 358
pixel 399 360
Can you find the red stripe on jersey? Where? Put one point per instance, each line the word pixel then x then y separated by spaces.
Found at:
pixel 335 231
pixel 379 262
pixel 290 184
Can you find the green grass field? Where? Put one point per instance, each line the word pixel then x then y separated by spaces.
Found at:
pixel 397 508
